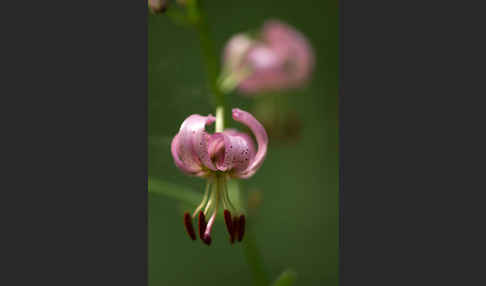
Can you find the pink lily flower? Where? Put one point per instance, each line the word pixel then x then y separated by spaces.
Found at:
pixel 217 157
pixel 280 58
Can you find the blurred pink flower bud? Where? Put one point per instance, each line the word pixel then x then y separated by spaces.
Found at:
pixel 236 50
pixel 280 58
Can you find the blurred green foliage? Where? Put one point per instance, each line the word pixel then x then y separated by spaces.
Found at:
pixel 287 278
pixel 296 223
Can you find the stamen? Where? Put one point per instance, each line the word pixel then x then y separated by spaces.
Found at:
pixel 229 225
pixel 201 225
pixel 188 224
pixel 241 226
pixel 235 227
pixel 207 240
pixel 226 195
pixel 208 205
pixel 223 200
pixel 205 197
pixel 213 198
pixel 207 234
pixel 226 202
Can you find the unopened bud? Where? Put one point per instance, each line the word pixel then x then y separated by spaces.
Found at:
pixel 157 6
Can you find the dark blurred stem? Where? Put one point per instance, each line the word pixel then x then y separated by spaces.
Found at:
pixel 253 255
pixel 254 258
pixel 211 61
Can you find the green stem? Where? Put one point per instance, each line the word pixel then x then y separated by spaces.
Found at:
pixel 219 118
pixel 252 253
pixel 198 18
pixel 254 259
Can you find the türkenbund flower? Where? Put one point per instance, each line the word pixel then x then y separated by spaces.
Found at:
pixel 279 58
pixel 217 157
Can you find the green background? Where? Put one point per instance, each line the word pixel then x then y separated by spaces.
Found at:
pixel 296 224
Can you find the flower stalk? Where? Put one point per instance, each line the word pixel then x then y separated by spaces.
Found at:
pixel 219 118
pixel 254 259
pixel 211 62
pixel 235 224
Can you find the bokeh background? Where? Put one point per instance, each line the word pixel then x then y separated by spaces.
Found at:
pixel 296 224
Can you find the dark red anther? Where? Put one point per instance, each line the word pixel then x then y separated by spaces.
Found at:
pixel 206 239
pixel 241 226
pixel 202 225
pixel 229 225
pixel 236 228
pixel 188 224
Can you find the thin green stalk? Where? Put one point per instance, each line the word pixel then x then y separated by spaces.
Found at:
pixel 219 118
pixel 254 259
pixel 211 61
pixel 252 253
pixel 198 18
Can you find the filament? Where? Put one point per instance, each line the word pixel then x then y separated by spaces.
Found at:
pixel 226 196
pixel 215 211
pixel 210 203
pixel 205 198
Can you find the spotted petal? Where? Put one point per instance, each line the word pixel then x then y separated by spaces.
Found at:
pixel 192 143
pixel 185 167
pixel 233 151
pixel 260 136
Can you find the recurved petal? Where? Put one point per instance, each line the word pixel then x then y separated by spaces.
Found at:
pixel 188 167
pixel 238 152
pixel 244 136
pixel 260 136
pixel 194 141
